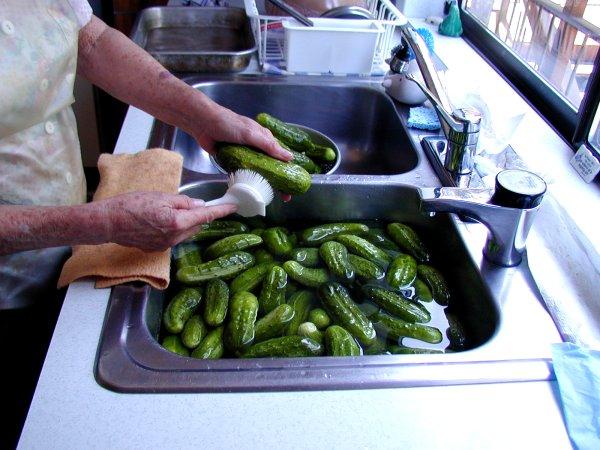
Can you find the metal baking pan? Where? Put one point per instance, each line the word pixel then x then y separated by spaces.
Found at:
pixel 189 39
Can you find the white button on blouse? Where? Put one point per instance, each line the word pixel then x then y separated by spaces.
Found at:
pixel 49 127
pixel 8 27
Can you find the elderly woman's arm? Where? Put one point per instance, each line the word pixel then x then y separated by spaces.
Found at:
pixel 113 62
pixel 151 221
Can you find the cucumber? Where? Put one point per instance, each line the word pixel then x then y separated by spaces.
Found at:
pixel 435 281
pixel 322 153
pixel 378 238
pixel 402 350
pixel 365 269
pixel 305 162
pixel 274 323
pixel 261 256
pixel 422 292
pixel 309 330
pixel 344 312
pixel 193 332
pixel 291 288
pixel 362 247
pixel 402 272
pixel 211 346
pixel 301 302
pixel 239 332
pixel 223 266
pixel 284 347
pixel 315 236
pixel 379 347
pixel 278 241
pixel 456 334
pixel 396 329
pixel 174 345
pixel 186 254
pixel 307 256
pixel 273 291
pixel 396 304
pixel 216 303
pixel 251 278
pixel 320 318
pixel 218 229
pixel 180 309
pixel 231 244
pixel 306 275
pixel 291 136
pixel 339 342
pixel 409 241
pixel 283 176
pixel 335 256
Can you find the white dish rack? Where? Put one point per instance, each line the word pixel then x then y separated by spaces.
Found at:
pixel 269 34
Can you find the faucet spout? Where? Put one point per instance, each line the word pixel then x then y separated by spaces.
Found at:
pixel 460 126
pixel 508 227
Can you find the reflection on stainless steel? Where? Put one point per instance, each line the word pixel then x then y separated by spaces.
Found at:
pixel 196 39
pixel 508 227
pixel 359 118
pixel 461 126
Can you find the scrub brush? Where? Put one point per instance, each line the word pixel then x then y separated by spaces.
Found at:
pixel 249 191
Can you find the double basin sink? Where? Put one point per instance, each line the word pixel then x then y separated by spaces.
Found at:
pixel 381 170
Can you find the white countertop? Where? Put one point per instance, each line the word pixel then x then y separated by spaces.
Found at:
pixel 70 410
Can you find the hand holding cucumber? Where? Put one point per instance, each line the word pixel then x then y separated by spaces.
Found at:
pixel 220 124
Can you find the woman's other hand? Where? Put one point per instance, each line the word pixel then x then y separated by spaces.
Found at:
pixel 220 124
pixel 155 221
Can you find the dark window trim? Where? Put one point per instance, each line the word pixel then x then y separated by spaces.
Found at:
pixel 572 126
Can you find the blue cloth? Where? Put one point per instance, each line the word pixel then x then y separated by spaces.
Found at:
pixel 577 371
pixel 423 119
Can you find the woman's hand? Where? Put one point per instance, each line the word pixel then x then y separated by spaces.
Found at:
pixel 220 124
pixel 154 221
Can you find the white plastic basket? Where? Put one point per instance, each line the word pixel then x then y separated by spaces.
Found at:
pixel 270 37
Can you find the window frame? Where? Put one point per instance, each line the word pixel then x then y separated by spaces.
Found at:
pixel 572 125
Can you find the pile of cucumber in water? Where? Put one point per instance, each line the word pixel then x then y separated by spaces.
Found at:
pixel 246 290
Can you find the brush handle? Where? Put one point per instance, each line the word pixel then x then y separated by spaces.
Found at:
pixel 226 199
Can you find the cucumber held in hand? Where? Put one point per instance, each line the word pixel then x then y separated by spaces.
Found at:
pixel 283 176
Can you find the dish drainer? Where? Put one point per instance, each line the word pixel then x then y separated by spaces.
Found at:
pixel 269 35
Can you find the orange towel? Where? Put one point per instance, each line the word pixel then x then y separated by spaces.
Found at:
pixel 111 264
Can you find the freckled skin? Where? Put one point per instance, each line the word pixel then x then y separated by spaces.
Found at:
pixel 150 221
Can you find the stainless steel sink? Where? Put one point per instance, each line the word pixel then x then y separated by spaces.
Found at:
pixel 500 347
pixel 359 118
pixel 383 166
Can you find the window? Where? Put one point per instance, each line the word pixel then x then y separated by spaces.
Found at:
pixel 594 136
pixel 548 49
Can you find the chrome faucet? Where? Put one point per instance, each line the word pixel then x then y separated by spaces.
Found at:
pixel 507 211
pixel 460 125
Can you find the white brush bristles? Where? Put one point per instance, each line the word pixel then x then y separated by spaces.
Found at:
pixel 255 181
pixel 249 191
